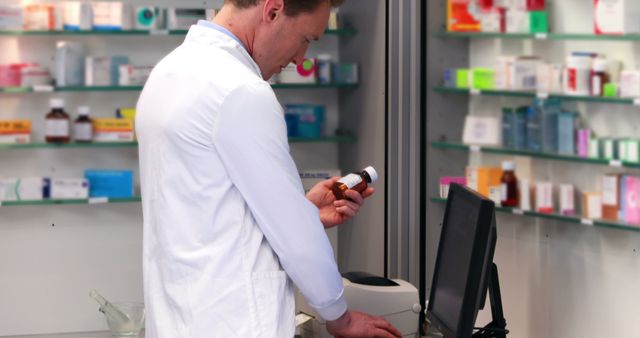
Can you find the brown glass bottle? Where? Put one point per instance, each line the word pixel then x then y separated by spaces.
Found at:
pixel 83 126
pixel 355 181
pixel 57 127
pixel 509 184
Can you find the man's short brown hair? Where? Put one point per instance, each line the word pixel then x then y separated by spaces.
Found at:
pixel 291 7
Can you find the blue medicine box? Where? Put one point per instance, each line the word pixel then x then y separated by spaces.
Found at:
pixel 110 183
pixel 566 133
pixel 304 120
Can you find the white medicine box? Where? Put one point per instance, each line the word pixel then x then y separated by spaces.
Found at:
pixel 616 16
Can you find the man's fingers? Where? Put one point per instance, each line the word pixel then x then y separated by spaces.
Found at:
pixel 381 333
pixel 354 196
pixel 345 210
pixel 368 192
pixel 385 325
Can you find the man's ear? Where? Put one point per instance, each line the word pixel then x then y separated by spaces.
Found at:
pixel 272 10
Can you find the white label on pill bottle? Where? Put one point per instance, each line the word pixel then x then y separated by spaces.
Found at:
pixel 83 131
pixel 351 180
pixel 57 128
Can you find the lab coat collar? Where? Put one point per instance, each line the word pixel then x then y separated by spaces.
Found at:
pixel 211 37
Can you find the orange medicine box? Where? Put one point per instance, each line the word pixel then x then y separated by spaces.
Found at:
pixel 15 131
pixel 112 130
pixel 611 196
pixel 463 16
pixel 481 179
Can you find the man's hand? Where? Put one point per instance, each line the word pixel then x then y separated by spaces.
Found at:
pixel 361 325
pixel 332 211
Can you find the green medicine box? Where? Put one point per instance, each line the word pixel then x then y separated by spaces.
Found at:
pixel 483 78
pixel 462 78
pixel 610 90
pixel 539 21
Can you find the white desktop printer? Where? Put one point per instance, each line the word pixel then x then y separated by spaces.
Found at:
pixel 395 300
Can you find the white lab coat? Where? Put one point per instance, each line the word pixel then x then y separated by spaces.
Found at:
pixel 224 208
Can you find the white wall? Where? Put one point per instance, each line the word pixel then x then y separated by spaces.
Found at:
pixel 560 279
pixel 46 272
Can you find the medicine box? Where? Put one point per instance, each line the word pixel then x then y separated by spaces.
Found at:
pixel 21 189
pixel 592 205
pixel 68 188
pixel 15 131
pixel 307 121
pixel 304 73
pixel 445 184
pixel 110 183
pixel 11 17
pixel 39 17
pixel 616 16
pixel 104 70
pixel 149 18
pixel 111 15
pixel 544 197
pixel 345 73
pixel 112 130
pixel 462 78
pixel 611 196
pixel 481 179
pixel 483 78
pixel 482 130
pixel 184 18
pixel 130 75
pixel 76 15
pixel 463 16
pixel 567 200
pixel 630 208
pixel 70 63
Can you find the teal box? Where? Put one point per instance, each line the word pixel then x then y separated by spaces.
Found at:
pixel 110 183
pixel 310 119
pixel 539 21
pixel 345 73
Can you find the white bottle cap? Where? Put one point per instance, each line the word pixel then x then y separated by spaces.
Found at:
pixel 508 166
pixel 324 57
pixel 57 103
pixel 84 111
pixel 372 173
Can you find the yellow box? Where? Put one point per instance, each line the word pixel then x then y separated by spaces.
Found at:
pixel 481 179
pixel 112 125
pixel 15 127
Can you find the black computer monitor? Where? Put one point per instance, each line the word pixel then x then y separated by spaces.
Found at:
pixel 464 267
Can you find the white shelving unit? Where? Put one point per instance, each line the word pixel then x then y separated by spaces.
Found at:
pixel 560 277
pixel 54 252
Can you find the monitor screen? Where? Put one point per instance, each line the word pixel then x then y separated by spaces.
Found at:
pixel 465 253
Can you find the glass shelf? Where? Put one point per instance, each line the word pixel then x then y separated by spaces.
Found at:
pixel 324 139
pixel 535 154
pixel 557 217
pixel 538 36
pixel 512 93
pixel 70 89
pixel 341 31
pixel 74 201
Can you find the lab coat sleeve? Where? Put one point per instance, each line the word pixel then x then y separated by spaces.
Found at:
pixel 251 139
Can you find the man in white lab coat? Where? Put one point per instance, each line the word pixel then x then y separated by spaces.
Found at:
pixel 227 226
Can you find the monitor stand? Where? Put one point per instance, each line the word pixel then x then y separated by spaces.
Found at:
pixel 497 327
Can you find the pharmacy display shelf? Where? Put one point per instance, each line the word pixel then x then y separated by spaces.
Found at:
pixel 341 31
pixel 70 89
pixel 95 200
pixel 93 145
pixel 534 154
pixel 529 94
pixel 562 218
pixel 538 36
